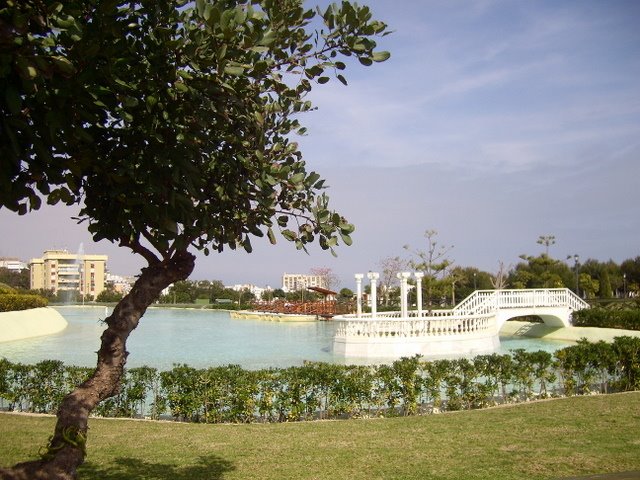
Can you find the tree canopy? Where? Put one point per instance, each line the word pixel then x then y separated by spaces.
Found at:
pixel 171 125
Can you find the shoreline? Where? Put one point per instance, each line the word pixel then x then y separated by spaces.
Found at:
pixel 34 322
pixel 515 328
pixel 271 317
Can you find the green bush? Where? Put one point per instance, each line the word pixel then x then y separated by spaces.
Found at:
pixel 408 386
pixel 6 289
pixel 627 319
pixel 13 302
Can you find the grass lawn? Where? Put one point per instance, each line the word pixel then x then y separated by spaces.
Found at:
pixel 541 440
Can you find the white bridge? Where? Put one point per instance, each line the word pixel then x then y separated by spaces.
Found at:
pixel 472 327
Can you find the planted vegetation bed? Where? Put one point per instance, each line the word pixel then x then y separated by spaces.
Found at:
pixel 613 315
pixel 540 440
pixel 409 386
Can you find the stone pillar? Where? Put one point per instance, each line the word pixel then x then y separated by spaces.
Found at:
pixel 359 277
pixel 373 277
pixel 419 276
pixel 403 276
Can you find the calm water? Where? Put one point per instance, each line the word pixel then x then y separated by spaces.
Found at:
pixel 199 338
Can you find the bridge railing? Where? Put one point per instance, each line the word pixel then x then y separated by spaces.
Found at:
pixel 388 327
pixel 480 303
pixel 484 301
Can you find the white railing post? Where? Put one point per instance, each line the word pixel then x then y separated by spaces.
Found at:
pixel 373 277
pixel 359 277
pixel 419 276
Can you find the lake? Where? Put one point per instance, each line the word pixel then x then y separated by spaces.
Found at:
pixel 201 338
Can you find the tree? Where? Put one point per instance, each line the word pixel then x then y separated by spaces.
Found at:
pixel 605 285
pixel 18 279
pixel 182 291
pixel 499 280
pixel 345 294
pixel 109 294
pixel 540 272
pixel 547 241
pixel 589 286
pixel 434 263
pixel 469 279
pixel 390 267
pixel 329 279
pixel 170 124
pixel 630 269
pixel 279 293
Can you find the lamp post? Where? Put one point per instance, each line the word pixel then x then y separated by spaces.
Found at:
pixel 576 267
pixel 474 282
pixel 624 285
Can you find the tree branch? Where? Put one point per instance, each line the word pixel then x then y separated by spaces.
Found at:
pixel 136 247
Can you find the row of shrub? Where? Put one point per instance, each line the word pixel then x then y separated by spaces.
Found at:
pixel 408 386
pixel 15 301
pixel 608 317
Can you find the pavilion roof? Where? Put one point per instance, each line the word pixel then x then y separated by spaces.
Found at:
pixel 323 291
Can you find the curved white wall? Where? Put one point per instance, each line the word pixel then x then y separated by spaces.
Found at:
pixel 34 322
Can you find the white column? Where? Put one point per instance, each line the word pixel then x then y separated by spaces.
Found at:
pixel 419 276
pixel 359 277
pixel 403 276
pixel 373 277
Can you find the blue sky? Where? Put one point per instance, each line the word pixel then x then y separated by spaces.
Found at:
pixel 494 122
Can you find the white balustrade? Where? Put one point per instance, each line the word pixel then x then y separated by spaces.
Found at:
pixel 402 328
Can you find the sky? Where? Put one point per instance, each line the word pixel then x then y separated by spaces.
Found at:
pixel 493 123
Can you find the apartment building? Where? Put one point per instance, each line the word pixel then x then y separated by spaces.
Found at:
pixel 61 271
pixel 292 282
pixel 13 264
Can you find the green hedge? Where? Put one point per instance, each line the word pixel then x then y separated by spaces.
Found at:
pixel 627 319
pixel 408 386
pixel 13 302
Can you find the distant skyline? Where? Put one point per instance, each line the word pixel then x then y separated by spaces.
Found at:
pixel 494 122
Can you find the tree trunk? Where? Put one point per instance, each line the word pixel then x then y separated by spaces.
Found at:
pixel 66 449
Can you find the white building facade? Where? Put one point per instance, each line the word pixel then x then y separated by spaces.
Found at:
pixel 61 271
pixel 293 282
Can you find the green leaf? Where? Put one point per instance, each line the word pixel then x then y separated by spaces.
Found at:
pixel 271 236
pixel 181 87
pixel 234 70
pixel 381 56
pixel 297 178
pixel 346 239
pixel 366 61
pixel 200 7
pixel 151 100
pixel 63 65
pixel 268 38
pixel 289 235
pixel 312 178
